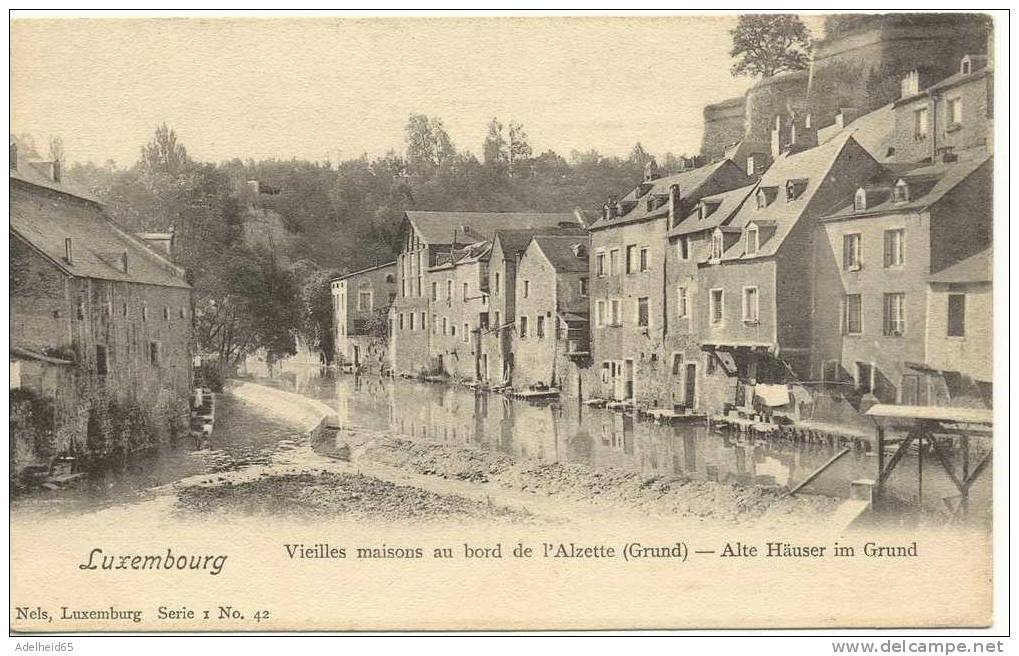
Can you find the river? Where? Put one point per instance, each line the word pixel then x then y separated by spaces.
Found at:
pixel 457 416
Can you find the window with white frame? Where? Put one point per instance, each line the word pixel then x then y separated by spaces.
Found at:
pixel 920 123
pixel 449 290
pixel 682 303
pixel 467 332
pixel 852 310
pixel 631 256
pixel 643 315
pixel 716 245
pixel 615 306
pixel 715 307
pixel 496 286
pixel 527 288
pixel 599 264
pixel 752 239
pixel 644 263
pixel 894 247
pixel 900 193
pixel 860 200
pixel 895 314
pixel 465 287
pixel 539 327
pixel 751 305
pixel 684 247
pixel 364 301
pixel 954 111
pixel 599 313
pixel 614 261
pixel 851 251
pixel 523 327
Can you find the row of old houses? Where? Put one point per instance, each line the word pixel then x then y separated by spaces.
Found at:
pixel 848 262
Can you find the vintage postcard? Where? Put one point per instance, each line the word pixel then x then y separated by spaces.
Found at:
pixel 501 322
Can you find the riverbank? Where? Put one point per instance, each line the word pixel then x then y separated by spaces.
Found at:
pixel 358 472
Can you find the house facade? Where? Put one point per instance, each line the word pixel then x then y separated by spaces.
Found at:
pixel 755 282
pixel 629 319
pixel 100 327
pixel 361 303
pixel 879 256
pixel 551 313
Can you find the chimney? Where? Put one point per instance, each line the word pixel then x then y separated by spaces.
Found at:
pixel 610 210
pixel 846 116
pixel 68 250
pixel 675 205
pixel 55 170
pixel 581 217
pixel 780 136
pixel 14 155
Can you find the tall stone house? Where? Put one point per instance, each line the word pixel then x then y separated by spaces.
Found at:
pixel 755 282
pixel 361 303
pixel 552 313
pixel 628 264
pixel 443 293
pixel 100 327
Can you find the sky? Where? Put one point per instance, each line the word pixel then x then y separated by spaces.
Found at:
pixel 334 88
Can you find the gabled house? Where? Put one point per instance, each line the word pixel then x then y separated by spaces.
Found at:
pixel 101 326
pixel 885 259
pixel 551 312
pixel 361 303
pixel 755 278
pixel 628 266
pixel 442 286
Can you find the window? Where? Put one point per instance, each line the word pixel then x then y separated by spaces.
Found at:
pixel 894 248
pixel 631 264
pixel 523 327
pixel 913 390
pixel 715 301
pixel 183 313
pixel 751 305
pixel 710 364
pixel 449 290
pixel 677 364
pixel 954 110
pixel 102 366
pixel 682 303
pixel 900 193
pixel 583 287
pixel 467 332
pixel 599 264
pixel 364 301
pixel 445 326
pixel 465 288
pixel 527 288
pixel 424 321
pixel 145 312
pixel 716 245
pixel 860 200
pixel 642 312
pixel 539 327
pixel 400 323
pixel 498 319
pixel 410 319
pixel 895 315
pixel 966 67
pixel 920 123
pixel 435 324
pixel 851 252
pixel 753 240
pixel 852 306
pixel 599 313
pixel 124 309
pixel 435 291
pixel 956 315
pixel 497 283
pixel 614 261
pixel 483 321
pixel 684 247
pixel 616 316
pixel 644 259
pixel 154 354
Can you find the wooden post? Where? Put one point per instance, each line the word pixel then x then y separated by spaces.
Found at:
pixel 879 486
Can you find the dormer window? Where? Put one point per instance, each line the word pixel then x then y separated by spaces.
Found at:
pixel 966 67
pixel 707 208
pixel 752 240
pixel 795 187
pixel 716 245
pixel 900 193
pixel 860 200
pixel 765 195
pixel 579 250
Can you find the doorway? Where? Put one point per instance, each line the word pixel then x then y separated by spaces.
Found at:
pixel 690 386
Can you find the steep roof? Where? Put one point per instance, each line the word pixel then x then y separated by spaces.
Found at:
pixel 364 271
pixel 438 227
pixel 874 131
pixel 45 219
pixel 515 241
pixel 689 182
pixel 928 185
pixel 560 251
pixel 729 202
pixel 29 169
pixel 975 268
pixel 811 168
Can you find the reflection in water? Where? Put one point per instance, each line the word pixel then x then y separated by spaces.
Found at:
pixel 600 438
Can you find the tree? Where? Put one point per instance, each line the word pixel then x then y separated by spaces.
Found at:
pixel 765 44
pixel 519 150
pixel 494 153
pixel 639 156
pixel 56 150
pixel 163 153
pixel 428 144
